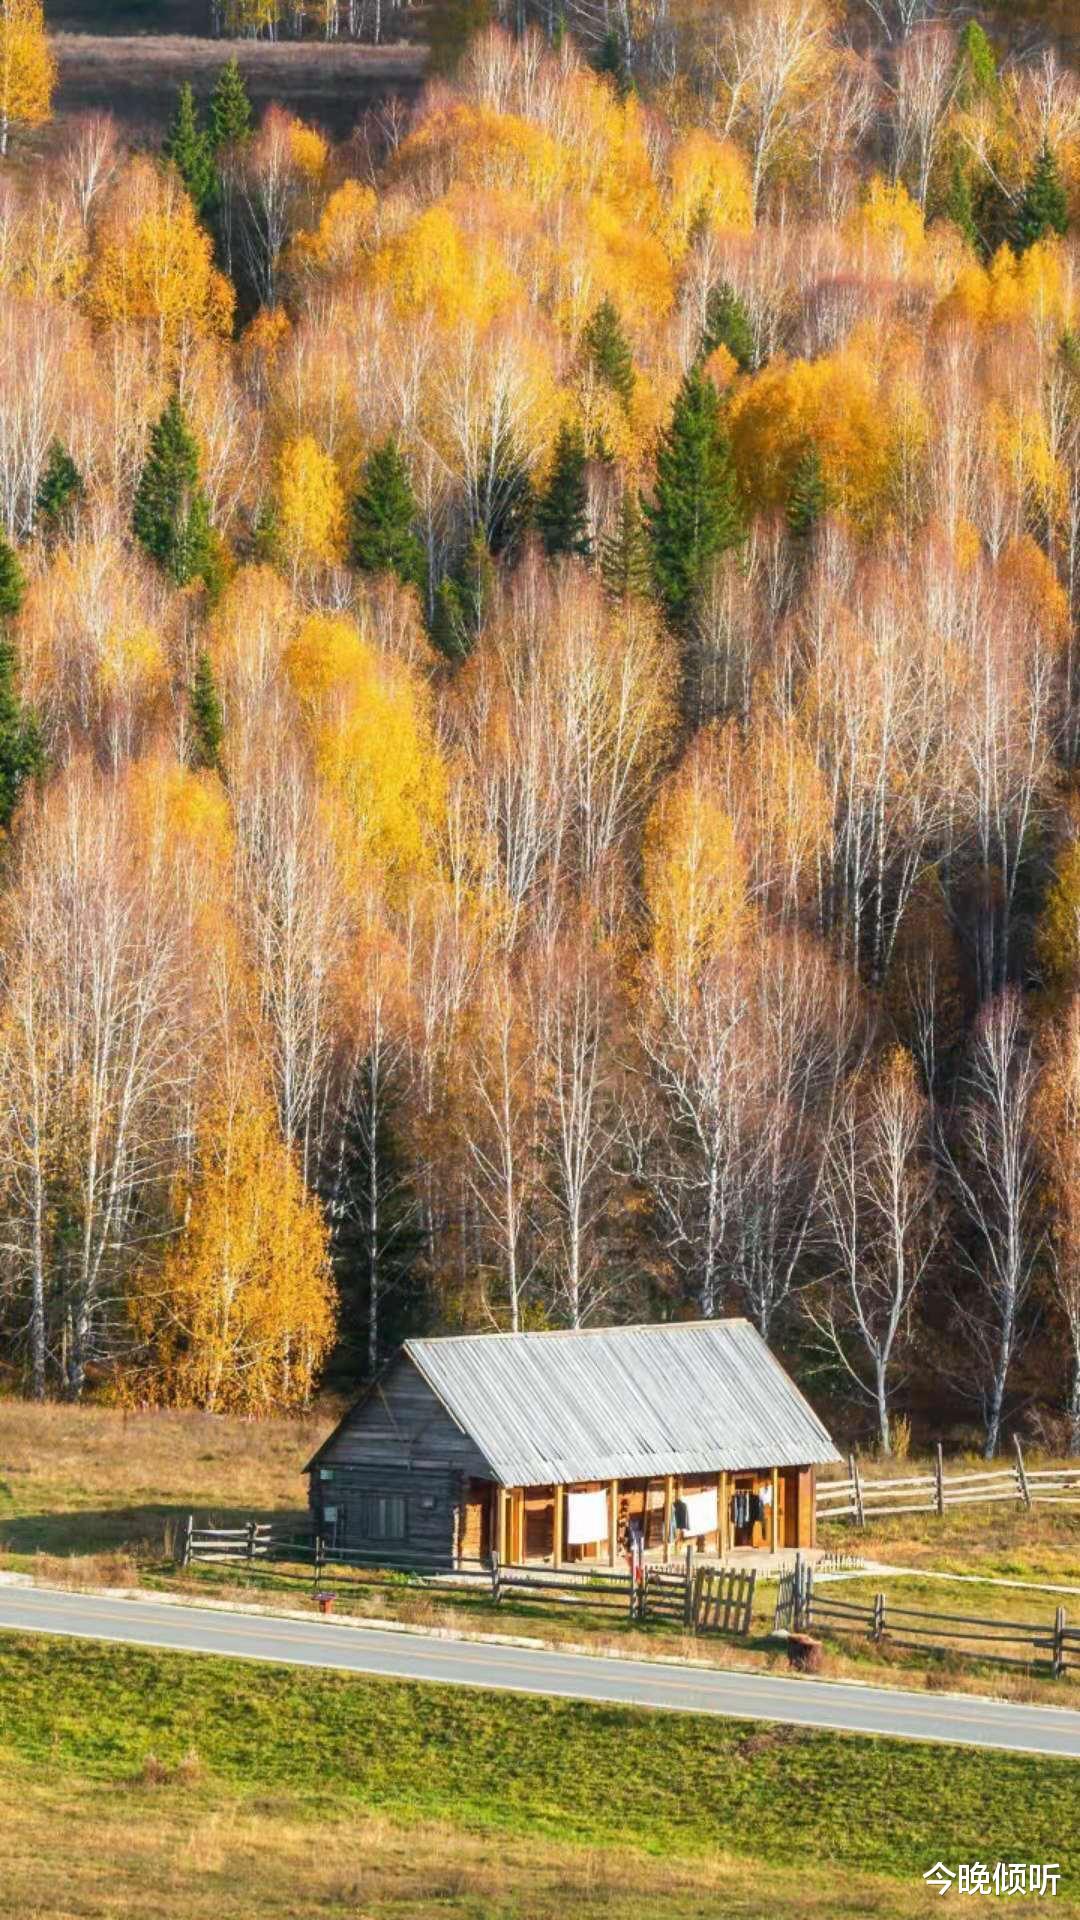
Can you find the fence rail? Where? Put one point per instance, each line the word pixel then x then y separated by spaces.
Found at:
pixel 860 1500
pixel 701 1599
pixel 802 1608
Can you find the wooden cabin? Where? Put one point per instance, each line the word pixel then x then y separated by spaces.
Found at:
pixel 556 1448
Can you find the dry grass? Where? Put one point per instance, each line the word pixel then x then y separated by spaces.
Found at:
pixel 1001 1539
pixel 93 1481
pixel 167 1850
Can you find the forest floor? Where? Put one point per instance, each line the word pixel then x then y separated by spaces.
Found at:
pixel 184 1788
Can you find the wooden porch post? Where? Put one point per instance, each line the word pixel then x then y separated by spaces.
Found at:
pixel 500 1524
pixel 613 1520
pixel 724 1523
pixel 558 1536
pixel 669 1497
pixel 774 1535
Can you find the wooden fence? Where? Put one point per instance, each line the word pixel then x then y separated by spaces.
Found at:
pixel 803 1608
pixel 861 1500
pixel 701 1599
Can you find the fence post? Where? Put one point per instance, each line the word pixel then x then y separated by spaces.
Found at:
pixel 1059 1643
pixel 878 1631
pixel 856 1488
pixel 795 1618
pixel 939 1479
pixel 690 1595
pixel 250 1541
pixel 496 1579
pixel 1021 1474
pixel 188 1531
pixel 748 1601
pixel 319 1557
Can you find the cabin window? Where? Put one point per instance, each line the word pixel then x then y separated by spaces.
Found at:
pixel 381 1516
pixel 326 1473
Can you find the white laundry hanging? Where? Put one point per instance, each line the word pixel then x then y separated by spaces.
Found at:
pixel 586 1518
pixel 701 1512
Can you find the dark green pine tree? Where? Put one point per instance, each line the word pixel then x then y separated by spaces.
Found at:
pixel 562 511
pixel 807 500
pixel 1044 208
pixel 611 59
pixel 624 553
pixel 958 205
pixel 608 351
pixel 207 721
pixel 695 513
pixel 461 600
pixel 230 109
pixel 22 755
pixel 188 146
pixel 59 491
pixel 727 324
pixel 382 526
pixel 171 518
pixel 12 581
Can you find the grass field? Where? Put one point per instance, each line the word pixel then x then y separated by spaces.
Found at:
pixel 694 1815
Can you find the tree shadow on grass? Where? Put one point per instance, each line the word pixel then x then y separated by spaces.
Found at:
pixel 143 1529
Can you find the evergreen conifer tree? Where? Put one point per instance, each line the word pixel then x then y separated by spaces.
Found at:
pixel 171 517
pixel 608 351
pixel 230 109
pixel 382 535
pixel 1044 208
pixel 22 755
pixel 12 581
pixel 611 59
pixel 461 599
pixel 807 499
pixel 563 507
pixel 204 710
pixel 59 490
pixel 958 205
pixel 727 324
pixel 188 147
pixel 624 553
pixel 977 67
pixel 695 513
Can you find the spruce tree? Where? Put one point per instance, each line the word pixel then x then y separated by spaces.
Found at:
pixel 190 150
pixel 563 508
pixel 171 517
pixel 230 109
pixel 624 553
pixel 12 581
pixel 1044 208
pixel 204 712
pixel 695 513
pixel 807 500
pixel 611 59
pixel 461 600
pixel 382 528
pixel 22 755
pixel 976 66
pixel 59 490
pixel 608 351
pixel 958 205
pixel 727 324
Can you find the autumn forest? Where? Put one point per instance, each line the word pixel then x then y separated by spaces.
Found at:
pixel 540 712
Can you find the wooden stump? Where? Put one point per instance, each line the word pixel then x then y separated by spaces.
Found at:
pixel 804 1653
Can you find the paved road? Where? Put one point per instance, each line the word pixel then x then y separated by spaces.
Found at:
pixel 413 1656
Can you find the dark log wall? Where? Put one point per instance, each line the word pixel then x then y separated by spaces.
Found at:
pixel 399 1441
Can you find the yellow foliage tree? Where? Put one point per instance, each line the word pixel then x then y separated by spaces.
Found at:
pixel 710 186
pixel 154 263
pixel 889 216
pixel 27 67
pixel 1057 939
pixel 241 1314
pixel 433 265
pixel 373 741
pixel 694 871
pixel 310 505
pixel 837 403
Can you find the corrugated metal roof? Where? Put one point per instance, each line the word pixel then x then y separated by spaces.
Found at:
pixel 623 1402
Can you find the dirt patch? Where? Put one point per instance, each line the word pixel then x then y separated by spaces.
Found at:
pixel 135 77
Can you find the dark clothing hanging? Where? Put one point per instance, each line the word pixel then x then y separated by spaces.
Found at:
pixel 680 1516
